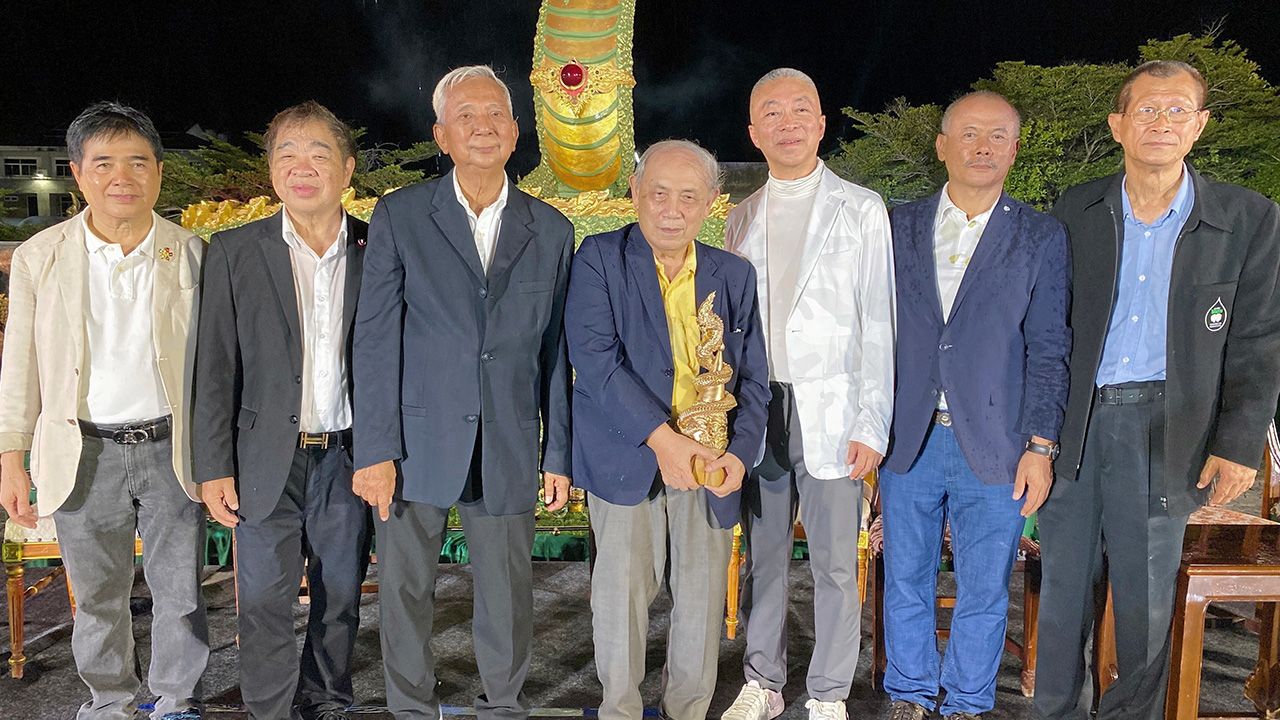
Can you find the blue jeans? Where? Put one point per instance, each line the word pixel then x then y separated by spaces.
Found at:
pixel 985 527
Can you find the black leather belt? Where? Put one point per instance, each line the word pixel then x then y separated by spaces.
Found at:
pixel 1131 393
pixel 324 440
pixel 942 417
pixel 129 433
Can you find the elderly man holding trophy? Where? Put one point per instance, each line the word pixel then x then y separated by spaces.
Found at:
pixel 669 404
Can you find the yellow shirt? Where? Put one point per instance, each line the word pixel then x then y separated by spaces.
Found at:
pixel 681 306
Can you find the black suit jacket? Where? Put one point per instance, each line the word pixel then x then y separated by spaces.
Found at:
pixel 248 387
pixel 445 351
pixel 1221 385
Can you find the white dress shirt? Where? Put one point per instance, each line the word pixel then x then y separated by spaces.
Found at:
pixel 123 383
pixel 320 284
pixel 955 238
pixel 787 212
pixel 485 227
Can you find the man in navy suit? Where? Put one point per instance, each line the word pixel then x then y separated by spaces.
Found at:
pixel 632 332
pixel 983 292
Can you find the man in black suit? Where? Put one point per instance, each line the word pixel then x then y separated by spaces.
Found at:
pixel 1174 375
pixel 273 419
pixel 459 353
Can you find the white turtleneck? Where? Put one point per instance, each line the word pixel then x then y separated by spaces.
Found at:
pixel 786 215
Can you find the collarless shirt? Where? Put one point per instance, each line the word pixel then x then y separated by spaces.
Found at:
pixel 680 304
pixel 319 283
pixel 787 210
pixel 485 226
pixel 123 381
pixel 955 239
pixel 1134 350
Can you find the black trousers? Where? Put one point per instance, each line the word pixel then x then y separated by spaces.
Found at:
pixel 1109 511
pixel 320 520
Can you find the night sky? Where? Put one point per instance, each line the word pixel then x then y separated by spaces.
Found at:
pixel 229 66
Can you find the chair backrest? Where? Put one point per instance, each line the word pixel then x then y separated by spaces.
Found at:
pixel 1271 476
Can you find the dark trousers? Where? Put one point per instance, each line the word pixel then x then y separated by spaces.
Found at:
pixel 1108 511
pixel 320 520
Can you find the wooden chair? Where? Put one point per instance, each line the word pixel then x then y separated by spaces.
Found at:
pixel 20 546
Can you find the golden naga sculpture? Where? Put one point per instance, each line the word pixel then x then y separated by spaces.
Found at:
pixel 707 420
pixel 582 96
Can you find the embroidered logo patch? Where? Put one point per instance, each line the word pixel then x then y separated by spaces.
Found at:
pixel 166 253
pixel 1215 318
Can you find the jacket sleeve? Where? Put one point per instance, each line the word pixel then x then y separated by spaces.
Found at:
pixel 596 351
pixel 1251 362
pixel 752 386
pixel 376 347
pixel 1048 339
pixel 218 371
pixel 875 287
pixel 19 373
pixel 557 379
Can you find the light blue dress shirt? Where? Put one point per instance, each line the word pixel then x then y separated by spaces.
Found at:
pixel 1134 350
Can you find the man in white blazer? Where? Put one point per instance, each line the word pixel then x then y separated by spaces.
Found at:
pixel 823 255
pixel 96 384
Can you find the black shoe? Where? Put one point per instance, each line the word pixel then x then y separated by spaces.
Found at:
pixel 903 710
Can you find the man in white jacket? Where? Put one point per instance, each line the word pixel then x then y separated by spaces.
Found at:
pixel 824 262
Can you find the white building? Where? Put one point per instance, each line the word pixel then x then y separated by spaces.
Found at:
pixel 35 181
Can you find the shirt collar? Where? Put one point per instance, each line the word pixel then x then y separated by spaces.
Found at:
pixel 945 206
pixel 296 242
pixel 95 244
pixel 1181 205
pixel 498 205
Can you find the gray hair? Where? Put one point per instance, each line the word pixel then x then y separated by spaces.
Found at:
pixel 988 94
pixel 783 73
pixel 109 119
pixel 458 76
pixel 710 168
pixel 1160 69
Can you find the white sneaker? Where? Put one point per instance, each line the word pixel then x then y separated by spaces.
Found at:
pixel 819 710
pixel 755 703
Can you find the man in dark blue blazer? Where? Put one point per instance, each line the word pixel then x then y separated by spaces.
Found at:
pixel 632 332
pixel 983 292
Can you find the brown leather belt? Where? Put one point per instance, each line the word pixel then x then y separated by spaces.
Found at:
pixel 324 440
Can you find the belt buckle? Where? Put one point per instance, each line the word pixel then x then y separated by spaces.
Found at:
pixel 131 435
pixel 314 440
pixel 942 417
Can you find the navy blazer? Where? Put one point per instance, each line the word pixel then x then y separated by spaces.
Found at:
pixel 620 349
pixel 1001 358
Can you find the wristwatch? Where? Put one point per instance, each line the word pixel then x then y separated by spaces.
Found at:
pixel 1049 450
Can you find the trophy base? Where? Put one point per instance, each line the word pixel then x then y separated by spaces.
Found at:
pixel 702 477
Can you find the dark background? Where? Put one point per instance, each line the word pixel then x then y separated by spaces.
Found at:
pixel 229 66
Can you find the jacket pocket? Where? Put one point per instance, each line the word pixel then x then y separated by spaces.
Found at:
pixel 247 418
pixel 413 410
pixel 533 286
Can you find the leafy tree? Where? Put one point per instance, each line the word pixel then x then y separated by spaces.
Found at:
pixel 223 170
pixel 1065 138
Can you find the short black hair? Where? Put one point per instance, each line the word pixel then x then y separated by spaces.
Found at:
pixel 109 119
pixel 306 112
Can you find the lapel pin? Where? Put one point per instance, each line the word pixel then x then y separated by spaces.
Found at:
pixel 166 253
pixel 1006 208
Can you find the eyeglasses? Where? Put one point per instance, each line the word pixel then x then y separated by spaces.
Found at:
pixel 1176 115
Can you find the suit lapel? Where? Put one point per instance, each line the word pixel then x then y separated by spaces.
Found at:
pixel 644 273
pixel 919 233
pixel 451 219
pixel 73 277
pixel 707 280
pixel 513 235
pixel 167 263
pixel 826 207
pixel 276 256
pixel 991 246
pixel 357 237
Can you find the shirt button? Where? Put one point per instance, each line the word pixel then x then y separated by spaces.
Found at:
pixel 323 335
pixel 1134 318
pixel 486 357
pixel 484 293
pixel 1124 360
pixel 471 418
pixel 297 379
pixel 1147 234
pixel 293 419
pixel 1142 278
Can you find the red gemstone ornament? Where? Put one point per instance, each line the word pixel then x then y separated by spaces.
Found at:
pixel 573 77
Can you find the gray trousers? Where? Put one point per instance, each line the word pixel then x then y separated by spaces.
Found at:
pixel 830 511
pixel 122 491
pixel 501 549
pixel 633 547
pixel 1106 510
pixel 318 518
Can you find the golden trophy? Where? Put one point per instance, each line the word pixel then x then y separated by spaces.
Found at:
pixel 707 420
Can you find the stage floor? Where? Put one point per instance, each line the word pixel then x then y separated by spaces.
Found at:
pixel 562 680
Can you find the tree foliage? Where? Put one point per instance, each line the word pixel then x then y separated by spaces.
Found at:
pixel 224 170
pixel 1065 139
